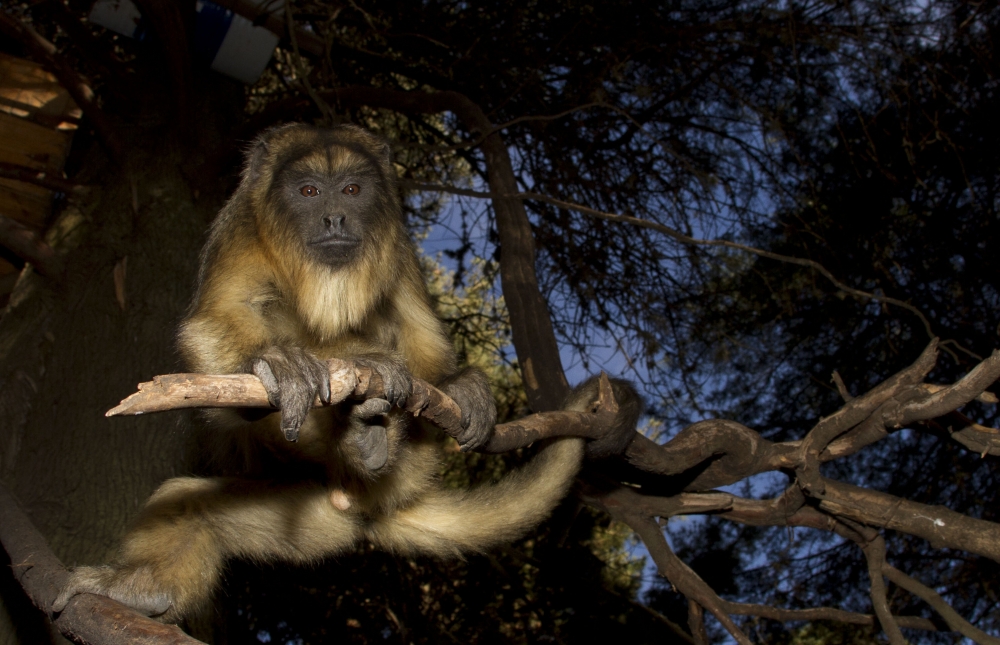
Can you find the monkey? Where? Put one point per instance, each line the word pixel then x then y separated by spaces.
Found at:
pixel 308 260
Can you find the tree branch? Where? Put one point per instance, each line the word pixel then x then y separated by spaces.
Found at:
pixel 348 380
pixel 87 618
pixel 875 555
pixel 932 598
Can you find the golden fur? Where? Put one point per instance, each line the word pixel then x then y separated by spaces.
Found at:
pixel 259 289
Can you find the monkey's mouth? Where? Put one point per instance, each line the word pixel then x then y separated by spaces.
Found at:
pixel 335 241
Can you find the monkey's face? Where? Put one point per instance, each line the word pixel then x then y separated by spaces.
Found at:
pixel 334 198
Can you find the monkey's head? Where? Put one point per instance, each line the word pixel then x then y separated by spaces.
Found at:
pixel 327 195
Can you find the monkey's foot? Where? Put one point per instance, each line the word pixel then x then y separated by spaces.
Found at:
pixel 372 441
pixel 133 588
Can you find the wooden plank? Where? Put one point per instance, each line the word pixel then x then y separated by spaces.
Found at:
pixel 28 91
pixel 26 87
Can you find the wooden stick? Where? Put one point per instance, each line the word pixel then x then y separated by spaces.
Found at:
pixel 348 380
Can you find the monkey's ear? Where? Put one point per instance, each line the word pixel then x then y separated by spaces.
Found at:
pixel 256 155
pixel 381 148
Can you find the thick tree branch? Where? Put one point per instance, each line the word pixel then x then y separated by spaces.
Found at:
pixel 87 618
pixel 941 526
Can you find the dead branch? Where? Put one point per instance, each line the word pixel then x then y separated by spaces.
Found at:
pixel 348 380
pixel 87 618
pixel 822 613
pixel 941 526
pixel 679 574
pixel 932 598
pixel 30 247
pixel 696 622
pixel 875 555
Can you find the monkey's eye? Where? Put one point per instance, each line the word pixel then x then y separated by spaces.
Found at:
pixel 351 189
pixel 309 191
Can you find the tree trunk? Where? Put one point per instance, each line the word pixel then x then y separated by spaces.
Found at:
pixel 70 351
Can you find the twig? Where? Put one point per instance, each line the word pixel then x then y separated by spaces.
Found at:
pixel 686 239
pixel 87 618
pixel 300 69
pixel 841 386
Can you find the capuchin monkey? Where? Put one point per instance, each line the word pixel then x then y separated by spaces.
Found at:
pixel 310 260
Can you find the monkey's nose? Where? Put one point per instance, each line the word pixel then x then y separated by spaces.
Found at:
pixel 333 221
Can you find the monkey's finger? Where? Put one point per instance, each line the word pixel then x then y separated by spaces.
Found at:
pixel 325 394
pixel 290 425
pixel 371 408
pixel 262 370
pixel 293 414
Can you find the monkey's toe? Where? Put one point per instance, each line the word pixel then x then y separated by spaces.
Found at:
pixel 126 588
pixel 374 446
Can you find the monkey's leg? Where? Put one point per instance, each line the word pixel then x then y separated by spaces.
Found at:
pixel 171 558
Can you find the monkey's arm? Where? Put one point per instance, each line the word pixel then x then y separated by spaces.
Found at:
pixel 239 325
pixel 431 356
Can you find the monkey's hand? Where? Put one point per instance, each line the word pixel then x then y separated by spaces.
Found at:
pixel 293 379
pixel 471 391
pixel 396 380
pixel 133 588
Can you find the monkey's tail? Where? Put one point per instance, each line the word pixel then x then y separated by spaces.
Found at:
pixel 448 522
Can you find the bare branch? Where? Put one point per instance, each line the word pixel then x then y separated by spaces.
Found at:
pixel 696 622
pixel 875 555
pixel 942 527
pixel 932 598
pixel 87 618
pixel 673 569
pixel 950 398
pixel 841 386
pixel 348 380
